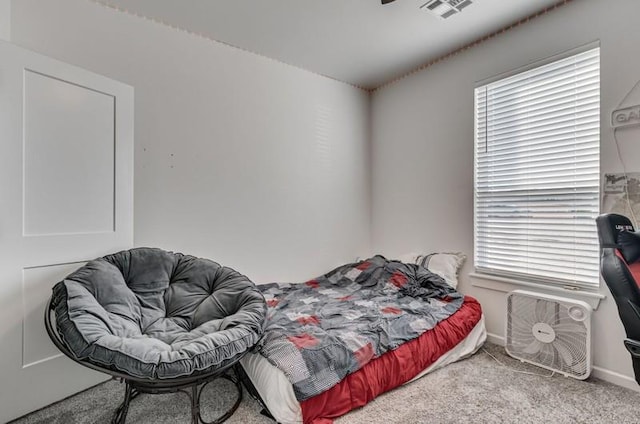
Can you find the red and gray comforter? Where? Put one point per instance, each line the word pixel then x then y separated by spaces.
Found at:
pixel 320 331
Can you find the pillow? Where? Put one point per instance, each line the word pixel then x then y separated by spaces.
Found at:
pixel 629 243
pixel 445 265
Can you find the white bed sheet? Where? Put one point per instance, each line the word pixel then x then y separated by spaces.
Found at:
pixel 277 392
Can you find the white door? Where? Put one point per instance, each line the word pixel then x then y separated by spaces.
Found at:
pixel 66 196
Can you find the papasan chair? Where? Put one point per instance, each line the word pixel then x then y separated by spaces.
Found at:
pixel 160 321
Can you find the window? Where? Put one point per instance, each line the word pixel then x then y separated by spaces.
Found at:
pixel 537 168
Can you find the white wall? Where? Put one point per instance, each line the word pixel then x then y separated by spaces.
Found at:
pixel 423 146
pixel 239 158
pixel 5 20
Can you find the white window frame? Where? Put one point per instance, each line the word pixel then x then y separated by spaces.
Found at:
pixel 530 278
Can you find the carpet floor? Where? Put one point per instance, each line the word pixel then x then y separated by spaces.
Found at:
pixel 478 390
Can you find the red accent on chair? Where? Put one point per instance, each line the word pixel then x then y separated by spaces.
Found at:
pixel 633 268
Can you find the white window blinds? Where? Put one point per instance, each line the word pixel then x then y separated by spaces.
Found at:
pixel 537 160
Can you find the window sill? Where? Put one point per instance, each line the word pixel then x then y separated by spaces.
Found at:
pixel 505 285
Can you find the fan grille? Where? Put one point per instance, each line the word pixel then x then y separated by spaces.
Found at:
pixel 561 343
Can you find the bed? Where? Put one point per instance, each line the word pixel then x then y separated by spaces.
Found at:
pixel 334 343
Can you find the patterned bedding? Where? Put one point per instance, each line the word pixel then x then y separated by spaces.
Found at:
pixel 320 331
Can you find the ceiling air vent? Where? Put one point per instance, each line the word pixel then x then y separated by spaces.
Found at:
pixel 445 8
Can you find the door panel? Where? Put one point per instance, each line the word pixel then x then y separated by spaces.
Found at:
pixel 67 162
pixel 36 290
pixel 66 196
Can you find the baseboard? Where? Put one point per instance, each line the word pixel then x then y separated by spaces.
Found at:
pixel 495 339
pixel 615 378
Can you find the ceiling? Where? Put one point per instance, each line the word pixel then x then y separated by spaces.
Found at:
pixel 360 42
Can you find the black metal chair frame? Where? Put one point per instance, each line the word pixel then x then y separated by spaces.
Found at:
pixel 192 386
pixel 253 392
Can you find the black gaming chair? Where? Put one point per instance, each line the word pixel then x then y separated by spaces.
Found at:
pixel 620 268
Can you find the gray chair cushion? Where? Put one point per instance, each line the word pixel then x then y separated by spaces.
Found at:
pixel 154 314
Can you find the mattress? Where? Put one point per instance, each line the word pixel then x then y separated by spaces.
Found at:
pixel 277 392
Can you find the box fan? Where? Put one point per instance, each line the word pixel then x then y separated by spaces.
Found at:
pixel 551 332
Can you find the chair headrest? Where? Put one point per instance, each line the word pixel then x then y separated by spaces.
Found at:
pixel 610 225
pixel 616 231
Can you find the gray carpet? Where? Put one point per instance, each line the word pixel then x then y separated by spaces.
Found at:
pixel 477 390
